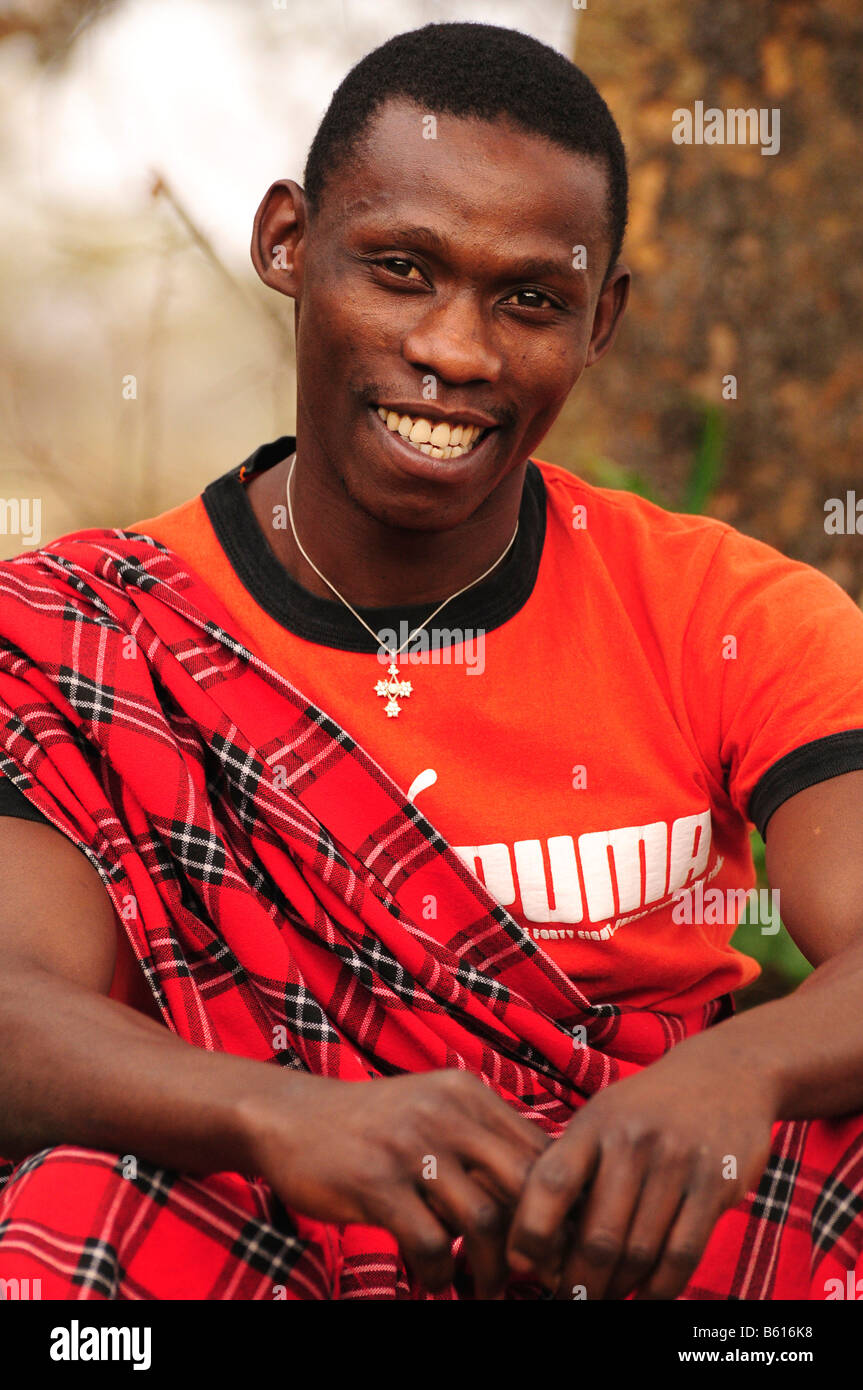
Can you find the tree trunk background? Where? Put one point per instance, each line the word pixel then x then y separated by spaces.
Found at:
pixel 743 263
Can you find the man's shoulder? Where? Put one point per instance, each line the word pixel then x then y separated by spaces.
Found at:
pixel 180 517
pixel 619 509
pixel 182 520
pixel 654 555
pixel 633 538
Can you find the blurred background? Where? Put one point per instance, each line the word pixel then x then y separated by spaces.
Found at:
pixel 142 357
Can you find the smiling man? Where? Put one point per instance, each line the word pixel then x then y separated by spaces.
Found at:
pixel 285 840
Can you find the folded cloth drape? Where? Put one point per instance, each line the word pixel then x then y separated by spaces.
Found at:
pixel 288 904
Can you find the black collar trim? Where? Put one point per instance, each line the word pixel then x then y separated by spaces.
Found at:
pixel 326 621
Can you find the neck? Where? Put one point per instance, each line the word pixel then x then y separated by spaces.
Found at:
pixel 374 565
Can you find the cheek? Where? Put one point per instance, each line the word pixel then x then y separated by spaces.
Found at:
pixel 548 377
pixel 340 329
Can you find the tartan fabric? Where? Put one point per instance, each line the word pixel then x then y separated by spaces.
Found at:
pixel 153 1234
pixel 288 904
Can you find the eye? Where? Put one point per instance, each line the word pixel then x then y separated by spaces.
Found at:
pixel 531 299
pixel 400 266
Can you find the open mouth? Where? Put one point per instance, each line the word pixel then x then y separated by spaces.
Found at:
pixel 434 437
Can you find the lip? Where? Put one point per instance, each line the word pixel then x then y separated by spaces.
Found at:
pixel 426 410
pixel 408 459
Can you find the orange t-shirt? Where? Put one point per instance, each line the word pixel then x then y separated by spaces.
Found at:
pixel 638 687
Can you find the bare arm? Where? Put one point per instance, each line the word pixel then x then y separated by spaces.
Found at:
pixel 78 1067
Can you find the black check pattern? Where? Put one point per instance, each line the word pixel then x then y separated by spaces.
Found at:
pixel 308 1019
pixel 98 1267
pixel 93 700
pixel 838 1209
pixel 776 1189
pixel 271 1252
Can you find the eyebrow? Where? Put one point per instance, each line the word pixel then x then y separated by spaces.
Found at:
pixel 426 235
pixel 526 267
pixel 535 266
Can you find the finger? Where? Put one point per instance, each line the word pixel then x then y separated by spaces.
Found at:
pixel 502 1166
pixel 538 1237
pixel 684 1247
pixel 488 1133
pixel 603 1225
pixel 659 1203
pixel 468 1209
pixel 495 1116
pixel 423 1241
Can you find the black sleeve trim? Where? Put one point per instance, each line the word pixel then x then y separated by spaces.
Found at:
pixel 813 762
pixel 14 803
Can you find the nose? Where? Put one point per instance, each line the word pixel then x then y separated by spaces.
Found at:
pixel 451 341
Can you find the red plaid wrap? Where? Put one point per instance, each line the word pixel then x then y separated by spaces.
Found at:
pixel 280 879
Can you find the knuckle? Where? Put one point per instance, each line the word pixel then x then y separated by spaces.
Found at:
pixel 672 1148
pixel 640 1258
pixel 636 1137
pixel 641 1140
pixel 447 1093
pixel 682 1258
pixel 425 1109
pixel 553 1176
pixel 530 1241
pixel 485 1220
pixel 602 1248
pixel 704 1162
pixel 457 1083
pixel 379 1173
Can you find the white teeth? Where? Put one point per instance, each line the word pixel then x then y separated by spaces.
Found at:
pixel 420 432
pixel 440 439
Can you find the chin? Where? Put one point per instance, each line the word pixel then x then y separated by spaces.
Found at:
pixel 417 513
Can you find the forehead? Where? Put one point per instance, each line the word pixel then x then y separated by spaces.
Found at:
pixel 475 174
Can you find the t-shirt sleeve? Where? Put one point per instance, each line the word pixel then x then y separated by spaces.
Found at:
pixel 14 803
pixel 773 675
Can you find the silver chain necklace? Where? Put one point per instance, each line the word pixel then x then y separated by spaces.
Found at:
pixel 393 689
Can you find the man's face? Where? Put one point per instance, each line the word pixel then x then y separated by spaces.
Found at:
pixel 436 282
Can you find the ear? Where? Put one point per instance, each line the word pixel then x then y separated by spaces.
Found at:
pixel 609 311
pixel 278 237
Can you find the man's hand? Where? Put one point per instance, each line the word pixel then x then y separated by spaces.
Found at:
pixel 629 1194
pixel 428 1157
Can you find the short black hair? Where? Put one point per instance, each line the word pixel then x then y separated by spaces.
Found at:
pixel 479 70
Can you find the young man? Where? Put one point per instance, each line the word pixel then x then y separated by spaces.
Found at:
pixel 457 878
